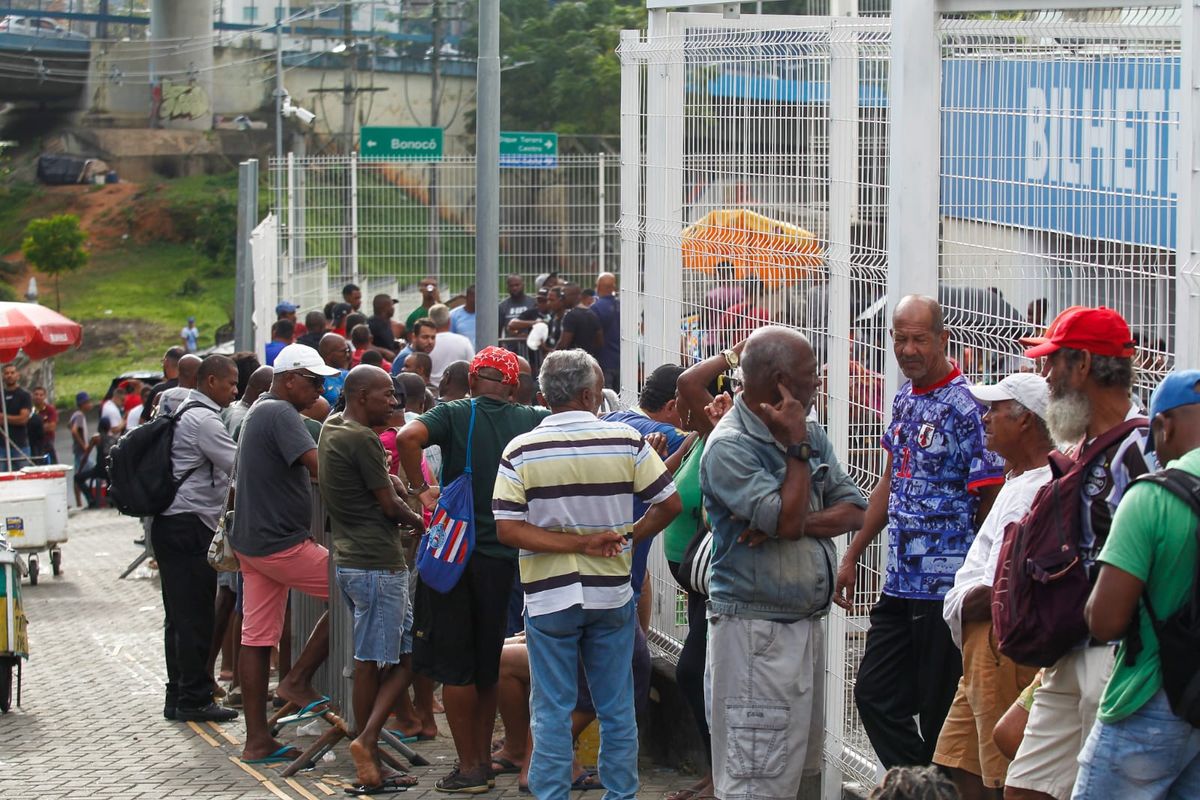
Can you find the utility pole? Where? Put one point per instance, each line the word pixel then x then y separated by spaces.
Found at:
pixel 348 93
pixel 434 248
pixel 487 175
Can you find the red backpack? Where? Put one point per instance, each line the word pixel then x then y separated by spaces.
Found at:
pixel 1041 584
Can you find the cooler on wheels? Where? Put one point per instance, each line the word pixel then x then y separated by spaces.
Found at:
pixel 14 636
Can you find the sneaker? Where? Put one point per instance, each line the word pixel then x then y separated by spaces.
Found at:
pixel 458 783
pixel 209 713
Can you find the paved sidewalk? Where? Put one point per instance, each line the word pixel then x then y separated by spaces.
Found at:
pixel 91 725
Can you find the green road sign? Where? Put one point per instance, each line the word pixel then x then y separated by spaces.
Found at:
pixel 417 144
pixel 520 149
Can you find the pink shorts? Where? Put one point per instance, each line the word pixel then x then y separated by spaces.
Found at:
pixel 266 580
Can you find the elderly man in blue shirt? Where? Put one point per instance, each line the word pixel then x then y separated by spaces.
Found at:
pixel 776 497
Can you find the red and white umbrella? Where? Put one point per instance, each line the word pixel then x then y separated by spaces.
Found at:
pixel 41 332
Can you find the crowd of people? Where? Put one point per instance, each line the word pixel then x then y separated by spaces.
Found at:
pixel 545 617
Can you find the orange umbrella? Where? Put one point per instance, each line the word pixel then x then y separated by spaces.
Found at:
pixel 752 244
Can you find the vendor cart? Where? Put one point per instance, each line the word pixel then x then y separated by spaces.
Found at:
pixel 35 514
pixel 14 634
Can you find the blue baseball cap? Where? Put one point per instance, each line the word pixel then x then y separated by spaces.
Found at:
pixel 1177 389
pixel 81 398
pixel 285 307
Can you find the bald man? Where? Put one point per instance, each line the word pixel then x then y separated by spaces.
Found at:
pixel 936 491
pixel 513 306
pixel 335 352
pixel 260 381
pixel 608 308
pixel 172 400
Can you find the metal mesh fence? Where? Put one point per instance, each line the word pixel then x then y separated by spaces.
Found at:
pixel 756 180
pixel 384 225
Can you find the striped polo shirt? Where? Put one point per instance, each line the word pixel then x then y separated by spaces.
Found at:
pixel 577 474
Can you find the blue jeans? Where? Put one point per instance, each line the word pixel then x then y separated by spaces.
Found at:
pixel 377 599
pixel 604 639
pixel 1150 754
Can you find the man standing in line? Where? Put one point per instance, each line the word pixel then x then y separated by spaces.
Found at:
pixel 1089 370
pixel 335 352
pixel 352 296
pixel 448 346
pixel 18 405
pixel 49 417
pixel 462 319
pixel 555 499
pixel 260 381
pixel 1139 747
pixel 422 338
pixel 190 336
pixel 380 324
pixel 776 497
pixel 513 306
pixel 1015 427
pixel 272 536
pixel 429 297
pixel 580 326
pixel 79 437
pixel 937 488
pixel 364 510
pixel 170 368
pixel 607 309
pixel 315 322
pixel 458 636
pixel 283 333
pixel 172 400
pixel 202 454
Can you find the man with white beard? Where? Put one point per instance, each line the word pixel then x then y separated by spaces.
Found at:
pixel 1089 370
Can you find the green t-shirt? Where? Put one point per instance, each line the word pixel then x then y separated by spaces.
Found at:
pixel 496 424
pixel 1153 538
pixel 678 535
pixel 414 315
pixel 351 465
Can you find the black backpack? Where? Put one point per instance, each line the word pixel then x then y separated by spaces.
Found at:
pixel 1179 634
pixel 141 481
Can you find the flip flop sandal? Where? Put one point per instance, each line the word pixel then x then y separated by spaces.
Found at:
pixel 310 711
pixel 384 788
pixel 404 737
pixel 588 780
pixel 278 757
pixel 506 767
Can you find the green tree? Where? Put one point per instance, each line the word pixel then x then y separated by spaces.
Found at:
pixel 561 70
pixel 54 245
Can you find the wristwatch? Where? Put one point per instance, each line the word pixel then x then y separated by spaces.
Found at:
pixel 802 451
pixel 731 358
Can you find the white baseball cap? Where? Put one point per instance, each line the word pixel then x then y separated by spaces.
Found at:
pixel 296 357
pixel 1026 388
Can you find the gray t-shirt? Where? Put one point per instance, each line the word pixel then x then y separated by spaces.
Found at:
pixel 273 504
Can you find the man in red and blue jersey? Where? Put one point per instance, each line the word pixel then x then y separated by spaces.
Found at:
pixel 938 487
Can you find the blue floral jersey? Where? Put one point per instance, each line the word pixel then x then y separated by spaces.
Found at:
pixel 939 463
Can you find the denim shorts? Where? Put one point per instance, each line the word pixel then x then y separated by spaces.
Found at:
pixel 378 600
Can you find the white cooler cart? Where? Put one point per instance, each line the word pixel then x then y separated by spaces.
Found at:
pixel 34 518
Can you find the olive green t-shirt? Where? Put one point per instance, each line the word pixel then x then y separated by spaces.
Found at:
pixel 1153 538
pixel 496 424
pixel 351 465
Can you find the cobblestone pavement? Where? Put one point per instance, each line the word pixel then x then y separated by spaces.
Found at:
pixel 90 723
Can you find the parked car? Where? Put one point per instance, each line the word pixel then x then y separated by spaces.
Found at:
pixel 38 26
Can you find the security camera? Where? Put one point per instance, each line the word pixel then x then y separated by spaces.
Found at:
pixel 305 116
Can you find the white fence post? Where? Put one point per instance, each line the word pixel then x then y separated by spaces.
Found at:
pixel 357 278
pixel 1187 251
pixel 600 198
pixel 914 96
pixel 287 266
pixel 631 210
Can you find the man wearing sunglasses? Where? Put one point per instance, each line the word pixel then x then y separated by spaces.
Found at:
pixel 276 466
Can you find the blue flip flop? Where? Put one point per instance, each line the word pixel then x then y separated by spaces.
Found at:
pixel 405 738
pixel 305 713
pixel 278 757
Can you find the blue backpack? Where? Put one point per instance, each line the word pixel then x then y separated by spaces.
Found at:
pixel 450 538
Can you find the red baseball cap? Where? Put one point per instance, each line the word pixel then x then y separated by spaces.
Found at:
pixel 1100 331
pixel 499 359
pixel 1033 341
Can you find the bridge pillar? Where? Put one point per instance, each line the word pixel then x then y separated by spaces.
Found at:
pixel 182 80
